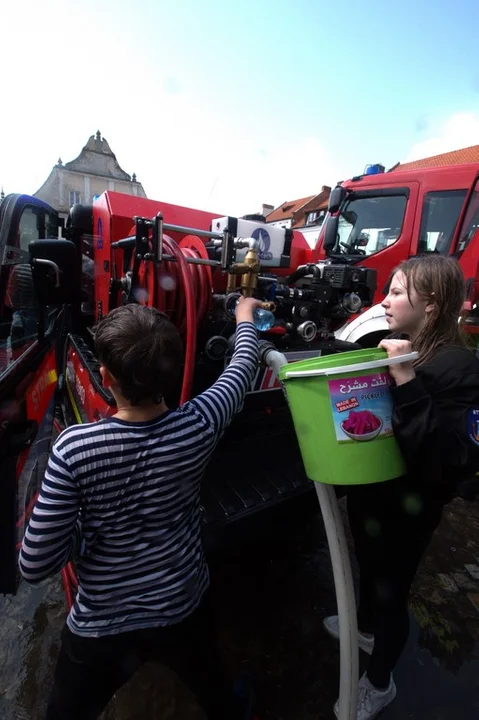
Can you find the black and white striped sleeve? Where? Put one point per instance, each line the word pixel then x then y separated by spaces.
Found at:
pixel 221 401
pixel 51 532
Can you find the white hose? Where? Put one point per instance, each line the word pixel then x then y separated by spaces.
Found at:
pixel 343 583
pixel 275 360
pixel 346 601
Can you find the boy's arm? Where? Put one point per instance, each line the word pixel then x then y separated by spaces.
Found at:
pixel 223 400
pixel 51 532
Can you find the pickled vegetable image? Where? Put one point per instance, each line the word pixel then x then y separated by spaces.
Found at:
pixel 362 425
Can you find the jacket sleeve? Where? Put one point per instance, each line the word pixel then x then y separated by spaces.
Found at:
pixel 220 403
pixel 53 530
pixel 431 425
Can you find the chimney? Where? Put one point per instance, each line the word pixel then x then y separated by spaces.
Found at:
pixel 266 209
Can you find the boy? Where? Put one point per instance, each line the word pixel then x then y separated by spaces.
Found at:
pixel 133 481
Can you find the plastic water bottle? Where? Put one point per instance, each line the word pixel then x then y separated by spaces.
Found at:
pixel 263 319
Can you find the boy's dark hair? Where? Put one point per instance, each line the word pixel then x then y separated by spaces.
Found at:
pixel 142 349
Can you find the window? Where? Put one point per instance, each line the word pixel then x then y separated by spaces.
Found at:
pixel 18 308
pixel 315 218
pixel 29 227
pixel 74 196
pixel 440 214
pixel 369 224
pixel 471 221
pixel 19 315
pixel 51 225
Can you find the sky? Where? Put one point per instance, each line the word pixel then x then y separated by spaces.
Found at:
pixel 224 106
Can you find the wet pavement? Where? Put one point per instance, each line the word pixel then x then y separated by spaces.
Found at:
pixel 270 597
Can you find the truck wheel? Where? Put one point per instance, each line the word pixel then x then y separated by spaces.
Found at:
pixel 372 340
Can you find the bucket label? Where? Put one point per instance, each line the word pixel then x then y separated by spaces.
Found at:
pixel 362 407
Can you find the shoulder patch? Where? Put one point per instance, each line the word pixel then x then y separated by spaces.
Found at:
pixel 473 426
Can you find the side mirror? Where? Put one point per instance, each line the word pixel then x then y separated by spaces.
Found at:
pixel 56 271
pixel 336 199
pixel 330 233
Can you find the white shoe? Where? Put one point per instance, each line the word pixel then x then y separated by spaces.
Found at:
pixel 371 701
pixel 331 625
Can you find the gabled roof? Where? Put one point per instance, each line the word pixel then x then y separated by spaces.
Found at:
pixel 317 202
pixel 96 158
pixel 287 209
pixel 456 157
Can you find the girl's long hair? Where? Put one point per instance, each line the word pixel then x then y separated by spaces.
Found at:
pixel 439 281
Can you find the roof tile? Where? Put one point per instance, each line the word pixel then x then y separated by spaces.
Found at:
pixel 456 157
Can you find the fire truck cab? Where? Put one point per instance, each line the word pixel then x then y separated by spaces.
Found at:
pixel 379 219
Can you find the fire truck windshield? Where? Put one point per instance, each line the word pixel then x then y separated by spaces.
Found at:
pixel 368 224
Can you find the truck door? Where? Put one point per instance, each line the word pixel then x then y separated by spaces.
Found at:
pixel 466 251
pixel 440 213
pixel 28 375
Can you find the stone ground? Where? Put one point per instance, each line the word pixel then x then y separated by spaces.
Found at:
pixel 270 597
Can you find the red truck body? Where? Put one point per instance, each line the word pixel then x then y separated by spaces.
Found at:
pixel 385 218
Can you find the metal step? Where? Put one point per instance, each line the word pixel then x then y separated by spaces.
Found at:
pixel 241 492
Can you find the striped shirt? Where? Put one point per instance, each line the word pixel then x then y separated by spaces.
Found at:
pixel 134 490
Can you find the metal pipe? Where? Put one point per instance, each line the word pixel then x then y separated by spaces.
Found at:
pixel 203 261
pixel 251 243
pixel 191 260
pixel 193 231
pixel 158 237
pixel 239 243
pixel 50 264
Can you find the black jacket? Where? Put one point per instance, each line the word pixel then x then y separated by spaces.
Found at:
pixel 435 424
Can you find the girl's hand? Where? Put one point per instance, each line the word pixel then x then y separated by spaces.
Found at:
pixel 404 372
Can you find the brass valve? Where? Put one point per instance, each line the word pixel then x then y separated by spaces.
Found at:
pixel 249 270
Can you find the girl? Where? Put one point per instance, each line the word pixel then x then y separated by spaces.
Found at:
pixel 435 402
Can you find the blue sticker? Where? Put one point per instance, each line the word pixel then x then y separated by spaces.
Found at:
pixel 473 426
pixel 264 242
pixel 99 232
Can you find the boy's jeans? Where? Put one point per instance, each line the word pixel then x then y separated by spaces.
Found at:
pixel 90 670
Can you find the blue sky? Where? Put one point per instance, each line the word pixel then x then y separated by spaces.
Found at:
pixel 223 105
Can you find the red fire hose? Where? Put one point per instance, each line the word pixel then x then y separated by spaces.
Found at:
pixel 183 291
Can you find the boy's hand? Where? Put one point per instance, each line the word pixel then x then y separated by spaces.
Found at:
pixel 245 308
pixel 404 372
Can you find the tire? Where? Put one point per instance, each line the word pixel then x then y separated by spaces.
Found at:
pixel 372 340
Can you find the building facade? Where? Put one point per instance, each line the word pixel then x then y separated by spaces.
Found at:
pixel 306 214
pixel 95 170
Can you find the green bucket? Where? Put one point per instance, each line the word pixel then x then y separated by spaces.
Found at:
pixel 342 412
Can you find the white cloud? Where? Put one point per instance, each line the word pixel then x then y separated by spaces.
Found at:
pixel 459 131
pixel 184 147
pixel 219 168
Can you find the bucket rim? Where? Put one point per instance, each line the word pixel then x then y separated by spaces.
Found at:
pixel 347 369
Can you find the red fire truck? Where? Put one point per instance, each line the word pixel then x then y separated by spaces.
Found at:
pixel 56 282
pixel 378 219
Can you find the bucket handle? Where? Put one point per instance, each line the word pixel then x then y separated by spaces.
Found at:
pixel 371 365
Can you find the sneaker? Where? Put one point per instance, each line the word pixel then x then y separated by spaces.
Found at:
pixel 371 701
pixel 331 625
